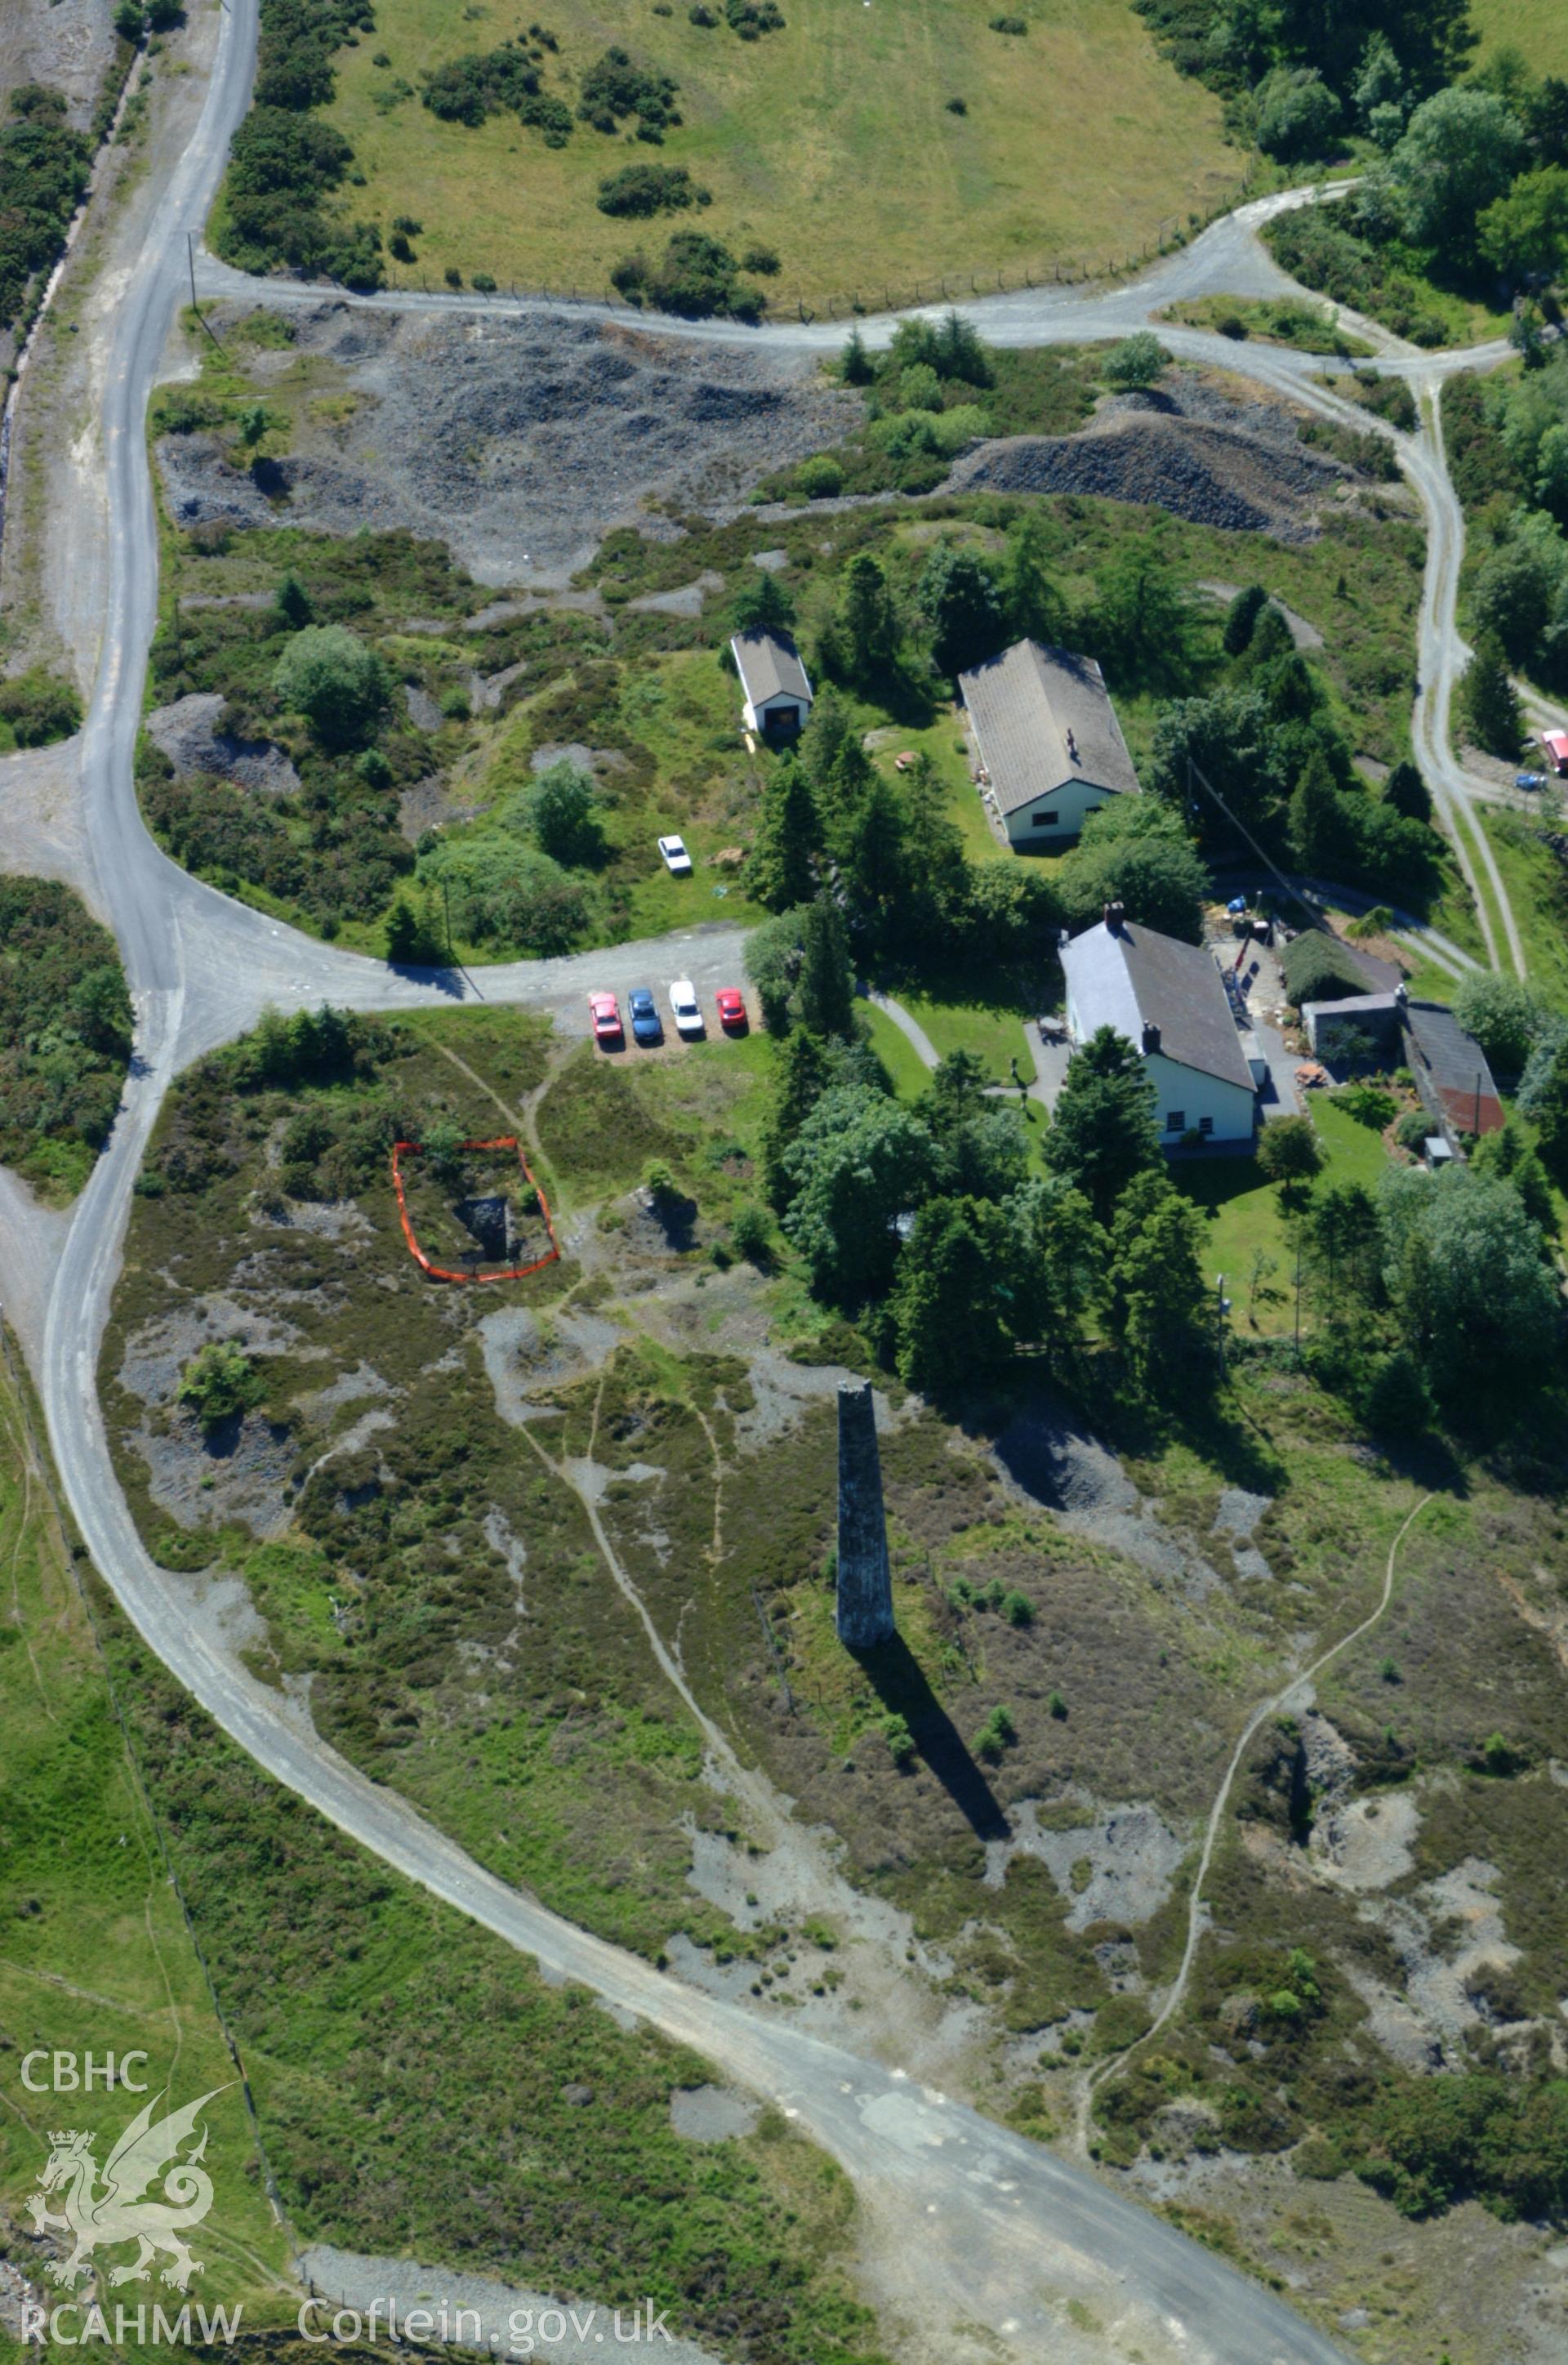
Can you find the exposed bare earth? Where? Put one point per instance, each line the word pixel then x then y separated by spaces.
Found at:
pixel 1239 465
pixel 67 44
pixel 522 442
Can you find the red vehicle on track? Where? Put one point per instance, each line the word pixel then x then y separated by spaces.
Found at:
pixel 731 1010
pixel 605 1011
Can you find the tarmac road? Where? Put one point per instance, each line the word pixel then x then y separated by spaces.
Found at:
pixel 987 2229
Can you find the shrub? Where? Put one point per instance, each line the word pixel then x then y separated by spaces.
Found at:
pixel 659 1182
pixel 40 707
pixel 328 674
pixel 898 1738
pixel 65 1031
pixel 820 477
pixel 643 190
pixel 1009 25
pixel 613 87
pixel 1413 1128
pixel 1241 618
pixel 468 90
pixel 219 1382
pixel 957 107
pixel 750 18
pixel 1018 1610
pixel 1137 361
pixel 1298 114
pixel 43 176
pixel 763 260
pixel 283 166
pixel 1503 1015
pixel 751 1234
pixel 483 283
pixel 563 808
pixel 698 279
pixel 414 938
pixel 996 1734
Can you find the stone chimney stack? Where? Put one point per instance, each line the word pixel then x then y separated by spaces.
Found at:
pixel 865 1580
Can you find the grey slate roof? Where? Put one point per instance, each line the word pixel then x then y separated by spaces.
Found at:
pixel 1024 704
pixel 1139 978
pixel 769 666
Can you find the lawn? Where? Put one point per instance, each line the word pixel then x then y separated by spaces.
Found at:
pixel 1246 1221
pixel 1076 141
pixel 992 1031
pixel 905 1068
pixel 945 743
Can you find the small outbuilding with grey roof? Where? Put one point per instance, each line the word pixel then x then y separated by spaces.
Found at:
pixel 778 695
pixel 1167 999
pixel 1050 747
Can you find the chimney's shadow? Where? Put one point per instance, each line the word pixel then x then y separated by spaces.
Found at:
pixel 900 1684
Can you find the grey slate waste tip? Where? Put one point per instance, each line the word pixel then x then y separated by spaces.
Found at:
pixel 865 1580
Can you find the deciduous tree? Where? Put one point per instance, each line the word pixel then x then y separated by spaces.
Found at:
pixel 861 1161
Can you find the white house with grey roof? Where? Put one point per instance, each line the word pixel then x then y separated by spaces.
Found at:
pixel 778 695
pixel 1167 999
pixel 1050 747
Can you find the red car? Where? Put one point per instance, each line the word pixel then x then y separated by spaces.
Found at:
pixel 731 1010
pixel 606 1016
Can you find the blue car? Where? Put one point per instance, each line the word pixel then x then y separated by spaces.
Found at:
pixel 1529 781
pixel 644 1010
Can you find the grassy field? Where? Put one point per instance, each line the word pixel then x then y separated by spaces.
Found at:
pixel 1536 28
pixel 1537 889
pixel 94 1953
pixel 1078 141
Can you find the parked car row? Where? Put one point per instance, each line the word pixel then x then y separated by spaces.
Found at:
pixel 647 1027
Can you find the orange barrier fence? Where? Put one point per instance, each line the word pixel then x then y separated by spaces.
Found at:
pixel 443 1272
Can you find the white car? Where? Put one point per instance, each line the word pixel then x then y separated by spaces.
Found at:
pixel 676 860
pixel 685 1006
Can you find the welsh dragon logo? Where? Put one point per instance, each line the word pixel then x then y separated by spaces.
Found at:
pixel 103 2217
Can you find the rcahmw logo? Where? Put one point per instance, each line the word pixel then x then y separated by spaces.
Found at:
pixel 151 2190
